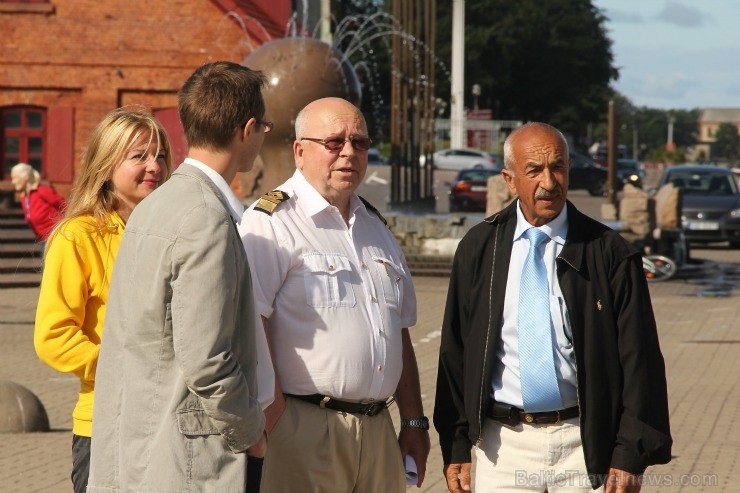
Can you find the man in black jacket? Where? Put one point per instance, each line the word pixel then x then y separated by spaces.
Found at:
pixel 603 418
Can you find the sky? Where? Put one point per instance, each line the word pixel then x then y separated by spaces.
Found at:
pixel 676 54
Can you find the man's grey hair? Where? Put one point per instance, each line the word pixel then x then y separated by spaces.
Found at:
pixel 509 142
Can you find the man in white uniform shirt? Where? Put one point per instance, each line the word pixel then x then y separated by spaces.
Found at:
pixel 336 298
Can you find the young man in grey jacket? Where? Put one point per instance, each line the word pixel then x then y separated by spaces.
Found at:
pixel 175 404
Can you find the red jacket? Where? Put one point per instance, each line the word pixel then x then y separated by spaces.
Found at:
pixel 42 208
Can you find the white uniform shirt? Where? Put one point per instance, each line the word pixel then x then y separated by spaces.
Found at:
pixel 265 373
pixel 505 384
pixel 336 296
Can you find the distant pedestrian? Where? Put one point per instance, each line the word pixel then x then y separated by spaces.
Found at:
pixel 127 157
pixel 42 206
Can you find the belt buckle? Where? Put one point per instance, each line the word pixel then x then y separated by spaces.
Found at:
pixel 557 417
pixel 324 401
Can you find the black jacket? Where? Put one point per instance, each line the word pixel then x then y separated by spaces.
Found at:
pixel 620 370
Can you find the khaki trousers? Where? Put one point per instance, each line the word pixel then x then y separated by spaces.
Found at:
pixel 531 458
pixel 315 450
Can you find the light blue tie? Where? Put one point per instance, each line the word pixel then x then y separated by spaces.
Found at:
pixel 540 390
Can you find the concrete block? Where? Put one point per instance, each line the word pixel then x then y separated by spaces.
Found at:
pixel 20 410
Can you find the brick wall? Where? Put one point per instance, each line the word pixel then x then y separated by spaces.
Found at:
pixel 94 56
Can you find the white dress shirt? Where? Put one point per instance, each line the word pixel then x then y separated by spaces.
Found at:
pixel 336 295
pixel 505 384
pixel 265 373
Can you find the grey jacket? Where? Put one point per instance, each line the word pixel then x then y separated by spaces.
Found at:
pixel 175 391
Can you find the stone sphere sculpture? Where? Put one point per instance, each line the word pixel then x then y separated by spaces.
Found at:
pixel 298 71
pixel 20 410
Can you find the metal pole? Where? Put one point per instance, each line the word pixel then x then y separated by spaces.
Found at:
pixel 325 21
pixel 611 196
pixel 634 141
pixel 670 145
pixel 457 99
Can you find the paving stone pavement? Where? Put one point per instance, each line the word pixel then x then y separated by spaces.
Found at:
pixel 700 338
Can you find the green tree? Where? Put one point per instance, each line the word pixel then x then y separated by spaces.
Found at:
pixel 534 60
pixel 728 141
pixel 652 128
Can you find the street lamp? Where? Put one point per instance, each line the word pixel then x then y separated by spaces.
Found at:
pixel 476 93
pixel 670 146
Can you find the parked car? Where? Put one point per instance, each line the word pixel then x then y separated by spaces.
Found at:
pixel 470 189
pixel 710 202
pixel 585 174
pixel 373 157
pixel 629 172
pixel 459 159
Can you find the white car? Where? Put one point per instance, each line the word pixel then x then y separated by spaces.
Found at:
pixel 459 159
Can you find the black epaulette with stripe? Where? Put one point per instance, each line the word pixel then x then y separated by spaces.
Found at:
pixel 375 211
pixel 269 201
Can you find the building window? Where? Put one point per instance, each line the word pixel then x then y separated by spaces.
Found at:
pixel 22 130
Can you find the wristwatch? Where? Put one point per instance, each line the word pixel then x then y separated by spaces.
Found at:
pixel 422 423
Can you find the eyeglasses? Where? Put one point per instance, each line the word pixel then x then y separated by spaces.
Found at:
pixel 266 126
pixel 337 143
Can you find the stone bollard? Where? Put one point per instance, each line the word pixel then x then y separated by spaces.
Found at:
pixel 20 410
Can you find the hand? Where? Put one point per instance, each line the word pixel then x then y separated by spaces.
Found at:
pixel 274 411
pixel 619 481
pixel 258 449
pixel 458 477
pixel 415 442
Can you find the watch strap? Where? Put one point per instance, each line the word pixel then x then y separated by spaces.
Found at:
pixel 422 423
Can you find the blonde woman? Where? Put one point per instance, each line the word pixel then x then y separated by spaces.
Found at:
pixel 42 206
pixel 127 158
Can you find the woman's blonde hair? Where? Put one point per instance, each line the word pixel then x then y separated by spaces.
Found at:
pixel 92 193
pixel 32 176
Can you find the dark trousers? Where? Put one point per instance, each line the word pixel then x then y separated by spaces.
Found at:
pixel 80 462
pixel 254 473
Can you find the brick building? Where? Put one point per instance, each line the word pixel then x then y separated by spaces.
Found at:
pixel 65 63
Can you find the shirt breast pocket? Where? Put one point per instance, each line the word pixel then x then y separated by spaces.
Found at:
pixel 391 278
pixel 328 280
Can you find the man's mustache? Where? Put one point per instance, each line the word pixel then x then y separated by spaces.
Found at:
pixel 541 193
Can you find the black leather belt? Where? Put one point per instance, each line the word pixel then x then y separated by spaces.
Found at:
pixel 512 416
pixel 366 408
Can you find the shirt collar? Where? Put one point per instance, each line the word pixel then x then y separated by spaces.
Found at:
pixel 557 229
pixel 311 201
pixel 236 208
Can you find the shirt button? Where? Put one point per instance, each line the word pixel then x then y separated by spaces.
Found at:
pixel 331 268
pixel 380 368
pixel 363 265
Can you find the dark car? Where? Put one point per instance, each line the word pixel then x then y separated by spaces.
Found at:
pixel 585 174
pixel 629 172
pixel 469 191
pixel 373 157
pixel 710 204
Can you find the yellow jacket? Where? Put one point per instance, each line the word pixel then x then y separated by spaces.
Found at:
pixel 74 292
